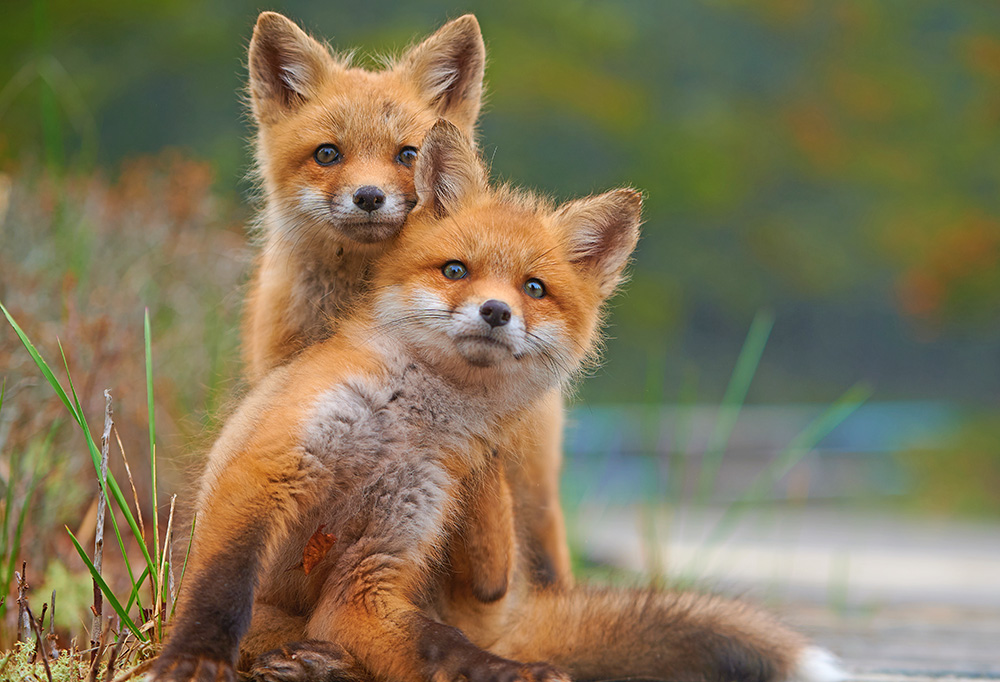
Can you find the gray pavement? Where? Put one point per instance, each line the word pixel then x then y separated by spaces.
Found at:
pixel 892 595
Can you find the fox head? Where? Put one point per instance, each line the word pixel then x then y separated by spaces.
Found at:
pixel 336 144
pixel 496 284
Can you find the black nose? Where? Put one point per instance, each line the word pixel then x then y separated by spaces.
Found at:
pixel 496 313
pixel 369 198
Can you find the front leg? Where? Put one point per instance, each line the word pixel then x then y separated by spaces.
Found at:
pixel 369 603
pixel 247 509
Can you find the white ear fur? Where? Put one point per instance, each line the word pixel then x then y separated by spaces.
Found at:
pixel 601 233
pixel 448 170
pixel 286 66
pixel 448 68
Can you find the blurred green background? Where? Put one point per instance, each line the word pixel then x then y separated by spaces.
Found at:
pixel 834 163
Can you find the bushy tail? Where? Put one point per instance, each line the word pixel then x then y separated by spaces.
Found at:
pixel 602 633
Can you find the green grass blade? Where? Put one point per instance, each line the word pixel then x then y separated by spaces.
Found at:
pixel 22 516
pixel 732 401
pixel 108 594
pixel 804 443
pixel 40 362
pixel 152 444
pixel 92 446
pixel 134 594
pixel 78 417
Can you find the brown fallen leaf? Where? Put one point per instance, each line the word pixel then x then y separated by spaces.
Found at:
pixel 317 547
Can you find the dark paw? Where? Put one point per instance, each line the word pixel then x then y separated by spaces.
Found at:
pixel 308 661
pixel 188 668
pixel 451 657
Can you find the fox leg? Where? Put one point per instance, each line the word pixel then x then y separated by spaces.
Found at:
pixel 246 510
pixel 367 603
pixel 596 633
pixel 482 554
pixel 533 456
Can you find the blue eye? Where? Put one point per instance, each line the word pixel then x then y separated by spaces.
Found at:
pixel 326 154
pixel 534 288
pixel 407 156
pixel 454 270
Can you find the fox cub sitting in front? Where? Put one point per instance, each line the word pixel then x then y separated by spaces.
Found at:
pixel 488 299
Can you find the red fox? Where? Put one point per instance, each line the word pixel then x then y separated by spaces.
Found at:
pixel 335 149
pixel 487 300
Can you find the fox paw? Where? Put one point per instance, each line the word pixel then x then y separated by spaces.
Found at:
pixel 307 661
pixel 450 657
pixel 190 668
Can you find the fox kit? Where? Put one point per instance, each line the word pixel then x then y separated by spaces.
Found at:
pixel 380 434
pixel 335 149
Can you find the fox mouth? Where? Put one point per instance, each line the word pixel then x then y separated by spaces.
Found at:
pixel 368 231
pixel 488 340
pixel 482 351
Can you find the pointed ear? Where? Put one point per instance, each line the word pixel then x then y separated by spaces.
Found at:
pixel 286 66
pixel 448 68
pixel 448 171
pixel 601 233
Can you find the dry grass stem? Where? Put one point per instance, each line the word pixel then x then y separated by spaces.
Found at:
pixel 135 495
pixel 102 504
pixel 159 605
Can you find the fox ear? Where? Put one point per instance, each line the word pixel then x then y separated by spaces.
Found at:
pixel 286 66
pixel 448 171
pixel 601 233
pixel 448 68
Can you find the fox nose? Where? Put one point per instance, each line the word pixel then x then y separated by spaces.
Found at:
pixel 496 313
pixel 369 198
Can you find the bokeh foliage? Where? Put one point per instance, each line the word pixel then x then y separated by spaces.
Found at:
pixel 835 162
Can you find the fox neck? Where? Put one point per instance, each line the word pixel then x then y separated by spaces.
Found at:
pixel 326 274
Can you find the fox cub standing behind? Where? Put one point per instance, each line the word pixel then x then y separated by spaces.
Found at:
pixel 335 149
pixel 488 299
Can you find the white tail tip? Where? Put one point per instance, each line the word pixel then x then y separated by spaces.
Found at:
pixel 818 665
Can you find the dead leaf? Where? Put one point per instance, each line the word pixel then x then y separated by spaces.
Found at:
pixel 317 547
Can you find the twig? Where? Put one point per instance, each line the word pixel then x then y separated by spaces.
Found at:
pixel 102 504
pixel 23 626
pixel 52 616
pixel 41 646
pixel 137 670
pixel 51 637
pixel 109 673
pixel 99 652
pixel 41 628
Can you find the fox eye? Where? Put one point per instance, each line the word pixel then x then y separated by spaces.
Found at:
pixel 326 154
pixel 406 156
pixel 534 288
pixel 454 270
